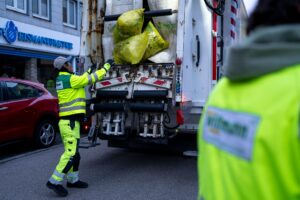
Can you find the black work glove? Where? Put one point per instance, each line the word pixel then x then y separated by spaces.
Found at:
pixel 92 68
pixel 110 61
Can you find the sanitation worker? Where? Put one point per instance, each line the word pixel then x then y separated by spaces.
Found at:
pixel 249 136
pixel 72 107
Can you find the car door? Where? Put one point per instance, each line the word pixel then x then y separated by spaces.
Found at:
pixel 16 113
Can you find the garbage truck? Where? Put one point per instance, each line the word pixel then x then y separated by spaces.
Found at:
pixel 161 98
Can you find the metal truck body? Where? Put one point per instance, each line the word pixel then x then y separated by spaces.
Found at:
pixel 150 101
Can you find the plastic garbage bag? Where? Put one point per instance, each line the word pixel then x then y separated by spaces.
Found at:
pixel 167 27
pixel 131 50
pixel 114 7
pixel 128 24
pixel 156 42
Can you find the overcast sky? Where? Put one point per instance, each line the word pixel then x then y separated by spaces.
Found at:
pixel 249 5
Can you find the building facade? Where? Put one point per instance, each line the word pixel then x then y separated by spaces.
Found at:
pixel 34 32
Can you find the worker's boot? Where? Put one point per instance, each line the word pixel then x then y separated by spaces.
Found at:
pixel 78 184
pixel 58 189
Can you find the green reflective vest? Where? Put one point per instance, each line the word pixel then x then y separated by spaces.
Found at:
pixel 248 139
pixel 71 93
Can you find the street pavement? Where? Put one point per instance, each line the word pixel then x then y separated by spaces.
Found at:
pixel 112 173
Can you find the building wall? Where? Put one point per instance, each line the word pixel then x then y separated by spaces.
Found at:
pixel 29 59
pixel 56 17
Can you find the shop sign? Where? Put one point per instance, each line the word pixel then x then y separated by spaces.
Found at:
pixel 12 34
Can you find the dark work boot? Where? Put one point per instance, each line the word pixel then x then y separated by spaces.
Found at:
pixel 78 184
pixel 58 189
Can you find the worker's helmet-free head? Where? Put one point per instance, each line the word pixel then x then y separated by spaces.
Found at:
pixel 274 12
pixel 60 61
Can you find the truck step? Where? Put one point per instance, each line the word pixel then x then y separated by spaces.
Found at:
pixel 101 94
pixel 146 107
pixel 142 94
pixel 108 107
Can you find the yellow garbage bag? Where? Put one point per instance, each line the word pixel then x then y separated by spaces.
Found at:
pixel 131 50
pixel 156 41
pixel 128 24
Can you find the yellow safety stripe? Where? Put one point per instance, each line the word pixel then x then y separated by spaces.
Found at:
pixel 90 79
pixel 81 100
pixel 72 108
pixel 73 177
pixel 96 76
pixel 60 175
pixel 56 182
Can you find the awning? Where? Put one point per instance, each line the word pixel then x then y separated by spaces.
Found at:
pixel 27 53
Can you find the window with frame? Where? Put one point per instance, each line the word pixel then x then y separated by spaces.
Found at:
pixel 41 8
pixel 80 15
pixel 17 5
pixel 2 91
pixel 16 91
pixel 70 13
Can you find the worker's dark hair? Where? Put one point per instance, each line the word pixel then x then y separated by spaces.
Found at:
pixel 56 71
pixel 274 12
pixel 63 69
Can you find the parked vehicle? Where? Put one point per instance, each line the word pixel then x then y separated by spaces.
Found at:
pixel 27 111
pixel 154 101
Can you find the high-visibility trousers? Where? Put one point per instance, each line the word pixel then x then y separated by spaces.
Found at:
pixel 70 159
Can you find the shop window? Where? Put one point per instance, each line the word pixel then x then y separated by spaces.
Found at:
pixel 41 9
pixel 70 13
pixel 46 75
pixel 17 5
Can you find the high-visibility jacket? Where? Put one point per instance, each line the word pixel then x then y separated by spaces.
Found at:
pixel 71 93
pixel 248 139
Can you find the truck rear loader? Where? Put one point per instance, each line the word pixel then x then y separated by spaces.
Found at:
pixel 160 99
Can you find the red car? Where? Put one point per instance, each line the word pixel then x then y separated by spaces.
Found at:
pixel 27 111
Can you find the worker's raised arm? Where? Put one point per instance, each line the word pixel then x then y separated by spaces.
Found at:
pixel 89 77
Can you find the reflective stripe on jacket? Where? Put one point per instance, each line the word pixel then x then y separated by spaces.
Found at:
pixel 71 93
pixel 248 139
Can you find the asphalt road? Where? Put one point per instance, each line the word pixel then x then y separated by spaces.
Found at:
pixel 112 173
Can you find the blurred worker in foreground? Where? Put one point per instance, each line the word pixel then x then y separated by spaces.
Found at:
pixel 249 137
pixel 72 107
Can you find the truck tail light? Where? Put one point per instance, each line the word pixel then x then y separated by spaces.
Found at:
pixel 179 117
pixel 178 61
